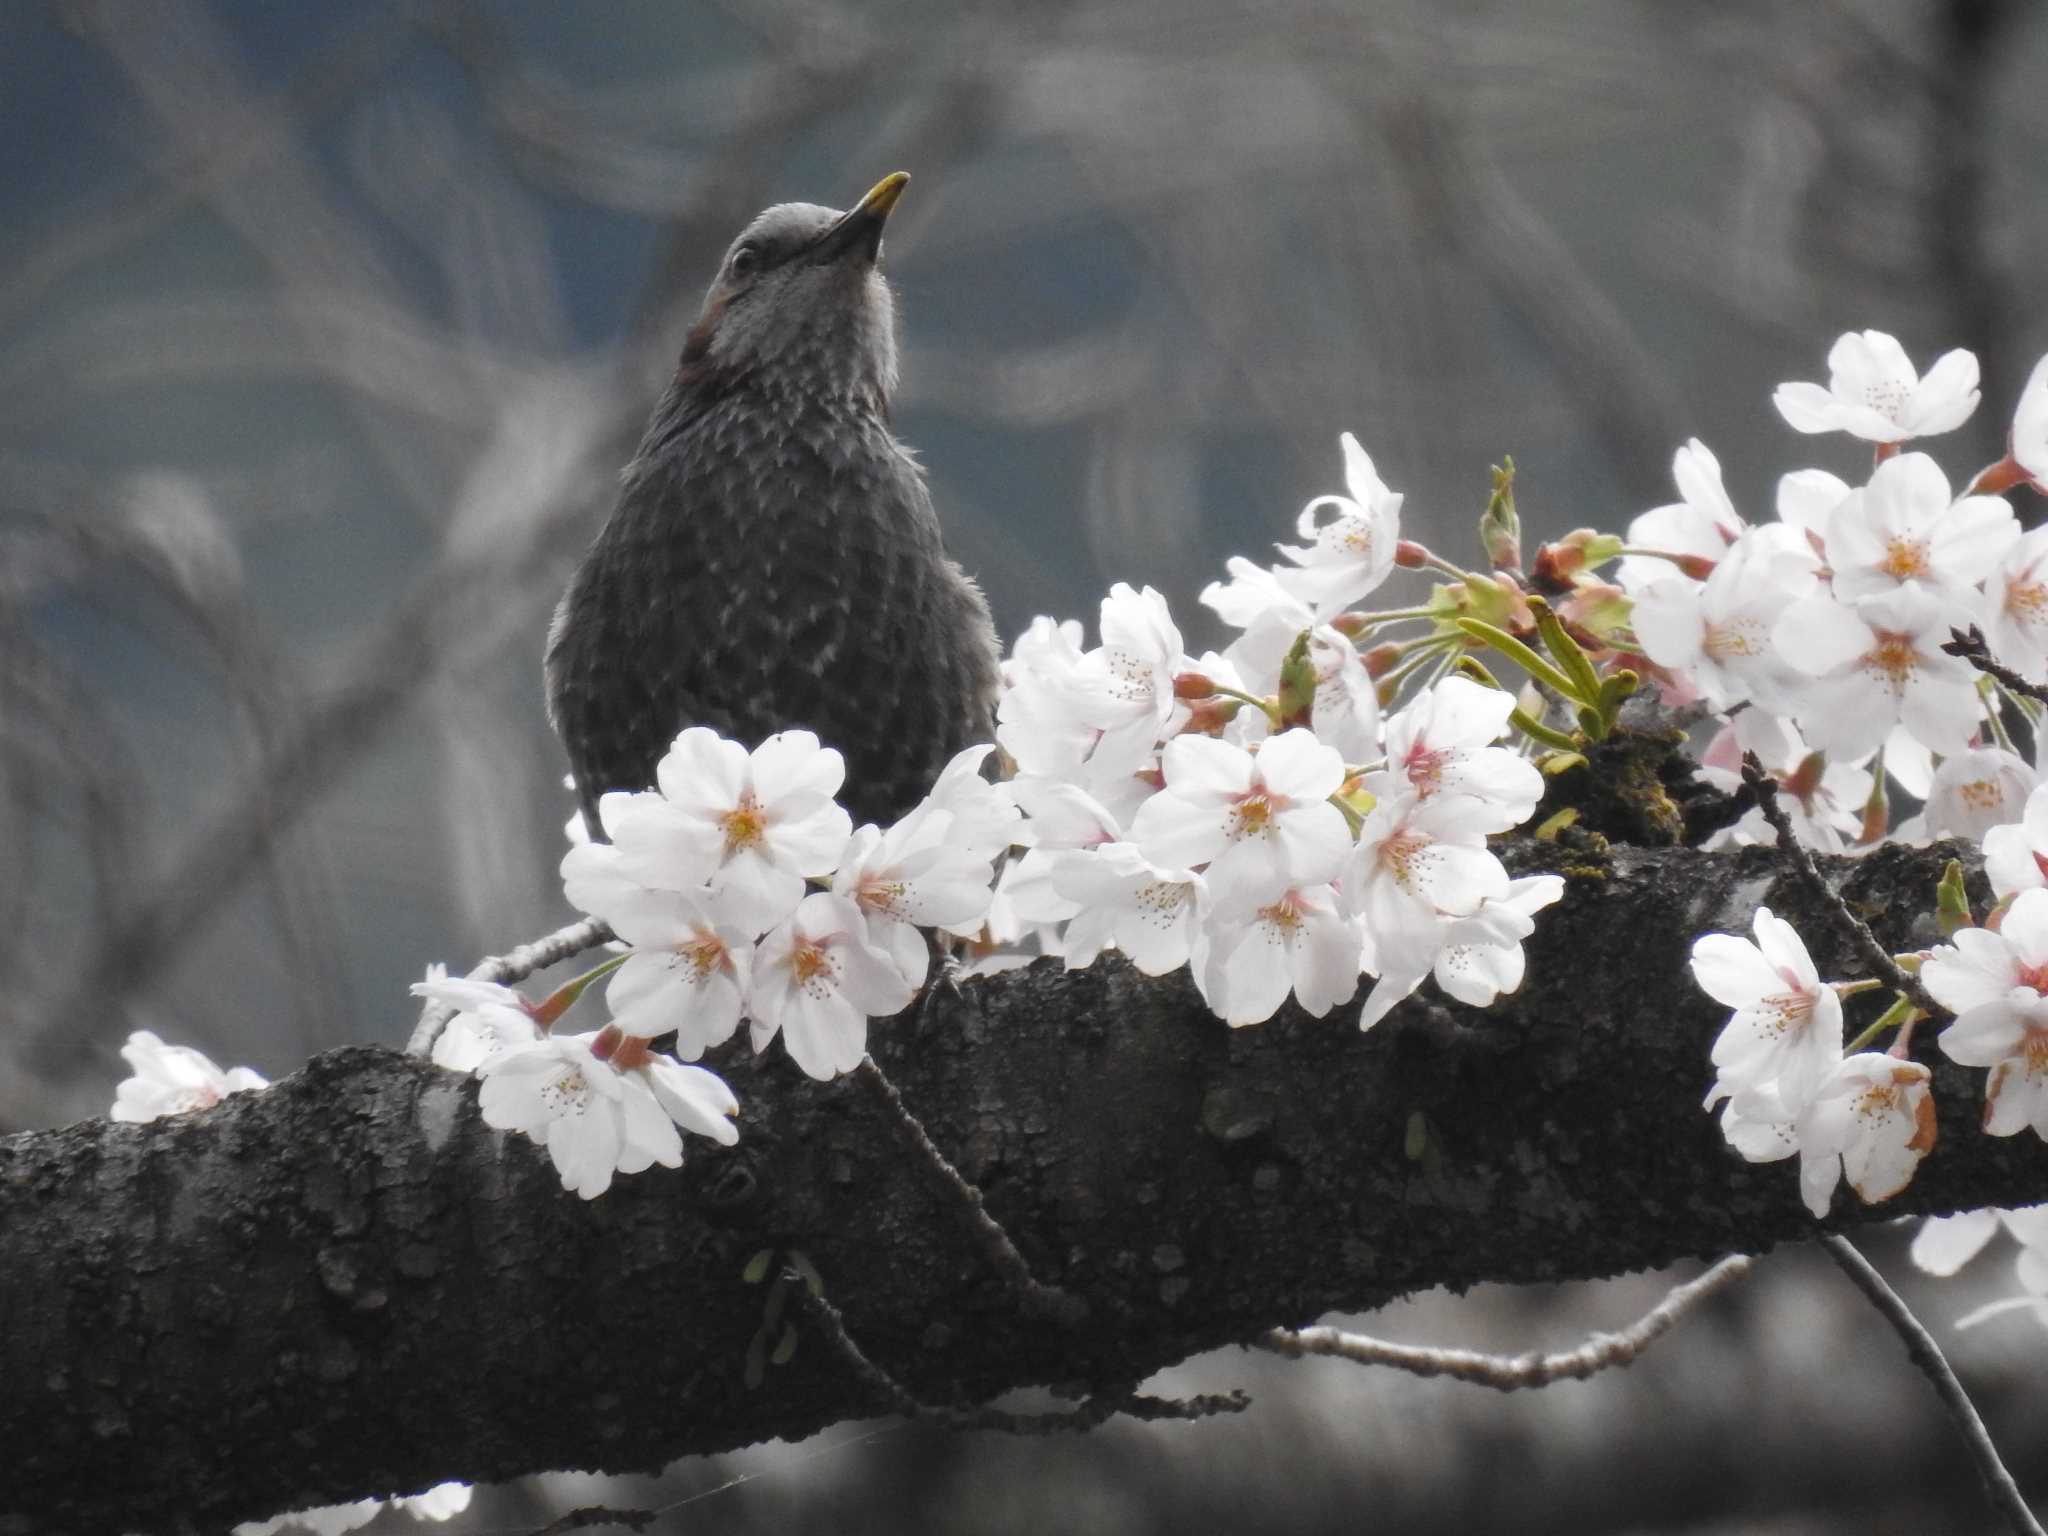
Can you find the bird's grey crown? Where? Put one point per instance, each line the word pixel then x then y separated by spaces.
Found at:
pixel 822 329
pixel 780 232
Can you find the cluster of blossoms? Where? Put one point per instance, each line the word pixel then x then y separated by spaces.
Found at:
pixel 1820 635
pixel 1257 816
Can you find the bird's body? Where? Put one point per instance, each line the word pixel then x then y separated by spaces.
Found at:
pixel 774 560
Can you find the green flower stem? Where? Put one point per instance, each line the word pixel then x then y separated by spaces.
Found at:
pixel 1265 707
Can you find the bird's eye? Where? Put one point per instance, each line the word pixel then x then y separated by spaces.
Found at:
pixel 746 261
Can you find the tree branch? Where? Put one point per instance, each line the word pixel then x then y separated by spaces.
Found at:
pixel 348 1285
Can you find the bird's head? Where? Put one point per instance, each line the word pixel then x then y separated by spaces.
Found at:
pixel 799 307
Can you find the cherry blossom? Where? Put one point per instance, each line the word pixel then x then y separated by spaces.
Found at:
pixel 910 877
pixel 587 1099
pixel 817 980
pixel 2029 1228
pixel 173 1080
pixel 327 1520
pixel 1719 634
pixel 1973 792
pixel 1041 717
pixel 1879 664
pixel 2016 855
pixel 1127 683
pixel 985 816
pixel 2016 606
pixel 1271 617
pixel 1873 392
pixel 490 1018
pixel 1871 1121
pixel 1122 898
pixel 750 825
pixel 1822 798
pixel 1261 822
pixel 1806 499
pixel 1996 983
pixel 1300 941
pixel 1786 1029
pixel 1944 1244
pixel 2030 426
pixel 1353 552
pixel 1476 958
pixel 687 971
pixel 1438 746
pixel 1059 816
pixel 1702 522
pixel 1903 528
pixel 1417 862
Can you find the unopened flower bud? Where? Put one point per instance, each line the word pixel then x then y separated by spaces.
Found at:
pixel 1555 564
pixel 1698 567
pixel 1192 685
pixel 1350 625
pixel 1411 555
pixel 1382 659
pixel 1209 716
pixel 1500 528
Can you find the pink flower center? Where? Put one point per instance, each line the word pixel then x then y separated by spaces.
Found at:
pixel 2032 976
pixel 1425 770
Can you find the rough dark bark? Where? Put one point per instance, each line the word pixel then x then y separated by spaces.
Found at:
pixel 348 1285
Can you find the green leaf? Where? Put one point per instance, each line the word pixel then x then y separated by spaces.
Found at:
pixel 785 1347
pixel 756 1370
pixel 757 1267
pixel 1522 656
pixel 1559 642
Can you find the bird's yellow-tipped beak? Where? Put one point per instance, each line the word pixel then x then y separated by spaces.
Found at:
pixel 883 194
pixel 860 227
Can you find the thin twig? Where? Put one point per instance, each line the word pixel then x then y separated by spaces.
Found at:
pixel 513 966
pixel 1970 645
pixel 1040 1300
pixel 1509 1373
pixel 1084 1416
pixel 1926 1354
pixel 1799 858
pixel 591 1517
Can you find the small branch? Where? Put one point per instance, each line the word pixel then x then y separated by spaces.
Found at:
pixel 1085 1416
pixel 1040 1300
pixel 1926 1354
pixel 1970 645
pixel 513 966
pixel 1509 1373
pixel 1799 858
pixel 592 1517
